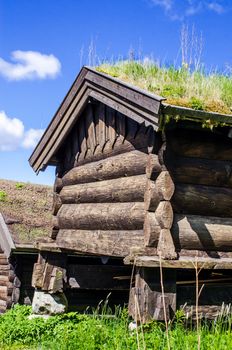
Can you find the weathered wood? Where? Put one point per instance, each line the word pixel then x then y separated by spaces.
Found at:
pixel 202 200
pixel 111 243
pixel 184 262
pixel 58 184
pixel 162 218
pixel 162 189
pixel 127 164
pixel 56 203
pixel 164 215
pixel 199 144
pixel 153 167
pixel 147 299
pixel 201 171
pixel 125 189
pixel 102 277
pixel 202 233
pixel 166 248
pixel 102 216
pixel 151 230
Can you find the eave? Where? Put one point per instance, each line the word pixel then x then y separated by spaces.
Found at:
pixel 133 102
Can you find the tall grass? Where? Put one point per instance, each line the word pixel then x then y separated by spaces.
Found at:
pixel 99 331
pixel 180 86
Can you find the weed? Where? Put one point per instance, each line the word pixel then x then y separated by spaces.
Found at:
pixel 3 196
pixel 19 185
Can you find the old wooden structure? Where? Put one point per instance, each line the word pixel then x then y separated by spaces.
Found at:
pixel 142 181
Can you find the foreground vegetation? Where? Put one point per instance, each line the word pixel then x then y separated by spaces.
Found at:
pixel 98 331
pixel 182 86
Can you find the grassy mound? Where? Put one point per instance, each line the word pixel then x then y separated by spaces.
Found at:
pixel 26 209
pixel 182 87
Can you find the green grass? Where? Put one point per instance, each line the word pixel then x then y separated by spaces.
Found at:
pixel 3 196
pixel 97 331
pixel 180 86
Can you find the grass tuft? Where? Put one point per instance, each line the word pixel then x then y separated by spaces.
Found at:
pixel 180 86
pixel 99 331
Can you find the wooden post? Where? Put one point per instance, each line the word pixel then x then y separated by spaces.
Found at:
pixel 147 302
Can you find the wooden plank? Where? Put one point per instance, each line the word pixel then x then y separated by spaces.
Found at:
pixel 122 108
pixel 183 262
pixel 127 91
pixel 102 216
pixel 62 131
pixel 98 242
pixel 59 114
pixel 148 301
pixel 194 115
pixel 6 241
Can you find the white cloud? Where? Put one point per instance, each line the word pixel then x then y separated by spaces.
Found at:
pixel 166 4
pixel 13 134
pixel 32 137
pixel 216 7
pixel 30 65
pixel 180 9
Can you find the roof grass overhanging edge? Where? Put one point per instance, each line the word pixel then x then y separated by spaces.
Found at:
pixel 207 119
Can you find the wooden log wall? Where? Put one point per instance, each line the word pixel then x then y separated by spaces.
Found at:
pixel 200 163
pixel 159 214
pixel 112 190
pixel 9 284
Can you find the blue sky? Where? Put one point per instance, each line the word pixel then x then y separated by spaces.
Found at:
pixel 43 44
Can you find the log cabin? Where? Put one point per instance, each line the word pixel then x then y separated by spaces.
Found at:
pixel 141 186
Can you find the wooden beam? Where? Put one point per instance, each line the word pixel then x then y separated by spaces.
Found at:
pixel 109 243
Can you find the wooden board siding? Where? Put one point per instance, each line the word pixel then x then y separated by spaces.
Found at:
pixel 133 102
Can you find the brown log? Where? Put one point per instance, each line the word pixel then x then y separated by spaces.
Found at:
pixel 3 260
pixel 202 200
pixel 102 216
pixel 201 171
pixel 202 233
pixel 126 164
pixel 56 203
pixel 58 184
pixel 125 189
pixel 164 215
pixel 166 248
pixel 199 144
pixel 162 189
pixel 162 218
pixel 151 230
pixel 111 243
pixel 153 167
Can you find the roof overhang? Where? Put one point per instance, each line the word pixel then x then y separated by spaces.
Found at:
pixel 133 102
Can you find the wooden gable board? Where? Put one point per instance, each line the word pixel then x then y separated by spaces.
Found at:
pixel 133 102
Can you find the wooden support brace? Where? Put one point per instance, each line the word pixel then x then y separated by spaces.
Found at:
pixel 154 295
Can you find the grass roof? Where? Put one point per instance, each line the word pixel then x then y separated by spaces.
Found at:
pixel 26 209
pixel 180 86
